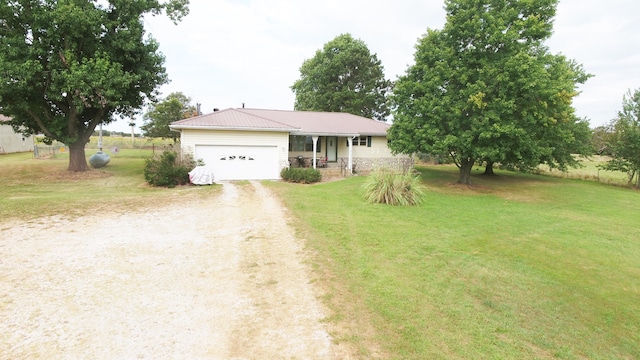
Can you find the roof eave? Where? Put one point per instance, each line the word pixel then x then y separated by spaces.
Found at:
pixel 373 134
pixel 227 128
pixel 311 133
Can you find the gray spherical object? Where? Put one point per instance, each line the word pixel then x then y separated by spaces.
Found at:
pixel 99 159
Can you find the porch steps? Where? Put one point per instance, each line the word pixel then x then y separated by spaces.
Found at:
pixel 330 173
pixel 333 165
pixel 333 170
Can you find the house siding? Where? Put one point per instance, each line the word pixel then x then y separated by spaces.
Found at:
pixel 12 142
pixel 378 148
pixel 189 139
pixel 378 155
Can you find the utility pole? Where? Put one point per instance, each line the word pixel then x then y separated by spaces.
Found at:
pixel 100 138
pixel 133 137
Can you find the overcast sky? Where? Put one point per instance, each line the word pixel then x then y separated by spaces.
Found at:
pixel 229 52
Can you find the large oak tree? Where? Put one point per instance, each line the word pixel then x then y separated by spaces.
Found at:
pixel 343 77
pixel 485 89
pixel 68 65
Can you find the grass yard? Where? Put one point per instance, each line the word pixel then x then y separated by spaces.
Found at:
pixel 520 266
pixel 30 187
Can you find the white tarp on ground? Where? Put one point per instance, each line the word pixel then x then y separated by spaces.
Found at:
pixel 201 175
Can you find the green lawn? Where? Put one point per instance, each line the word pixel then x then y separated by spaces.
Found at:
pixel 519 266
pixel 30 187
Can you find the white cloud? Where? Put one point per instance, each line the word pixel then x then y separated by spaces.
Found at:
pixel 228 52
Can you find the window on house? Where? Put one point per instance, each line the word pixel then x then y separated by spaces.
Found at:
pixel 361 141
pixel 302 143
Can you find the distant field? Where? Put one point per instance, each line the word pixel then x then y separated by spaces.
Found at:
pixel 590 171
pixel 109 144
pixel 128 143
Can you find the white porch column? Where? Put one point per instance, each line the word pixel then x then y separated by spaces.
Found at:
pixel 315 146
pixel 350 162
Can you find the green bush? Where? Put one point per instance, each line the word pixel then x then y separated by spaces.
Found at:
pixel 301 175
pixel 387 187
pixel 168 170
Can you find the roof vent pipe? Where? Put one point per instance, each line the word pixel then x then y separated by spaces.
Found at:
pixel 243 105
pixel 215 109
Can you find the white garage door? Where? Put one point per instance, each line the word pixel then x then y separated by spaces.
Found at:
pixel 240 162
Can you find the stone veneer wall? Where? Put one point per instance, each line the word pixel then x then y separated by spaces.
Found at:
pixel 394 163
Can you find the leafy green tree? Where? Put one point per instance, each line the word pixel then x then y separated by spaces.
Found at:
pixel 343 77
pixel 625 142
pixel 68 65
pixel 601 139
pixel 160 115
pixel 486 89
pixel 546 130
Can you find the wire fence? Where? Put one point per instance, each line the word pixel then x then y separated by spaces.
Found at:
pixel 120 142
pixel 41 150
pixel 109 144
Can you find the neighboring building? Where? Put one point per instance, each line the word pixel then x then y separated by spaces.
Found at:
pixel 12 142
pixel 248 144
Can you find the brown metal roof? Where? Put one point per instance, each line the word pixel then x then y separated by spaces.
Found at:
pixel 231 119
pixel 296 122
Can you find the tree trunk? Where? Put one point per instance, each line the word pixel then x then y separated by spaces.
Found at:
pixel 465 171
pixel 77 158
pixel 488 170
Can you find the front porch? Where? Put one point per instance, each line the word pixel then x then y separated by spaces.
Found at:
pixel 335 150
pixel 344 154
pixel 360 165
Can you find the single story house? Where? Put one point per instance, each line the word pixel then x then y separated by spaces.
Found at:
pixel 255 144
pixel 12 142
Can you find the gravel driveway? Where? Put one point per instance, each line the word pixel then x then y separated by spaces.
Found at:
pixel 215 278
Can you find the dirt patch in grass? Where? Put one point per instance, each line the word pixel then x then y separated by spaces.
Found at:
pixel 518 190
pixel 77 175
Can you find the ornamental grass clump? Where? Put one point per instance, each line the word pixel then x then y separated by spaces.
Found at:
pixel 393 188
